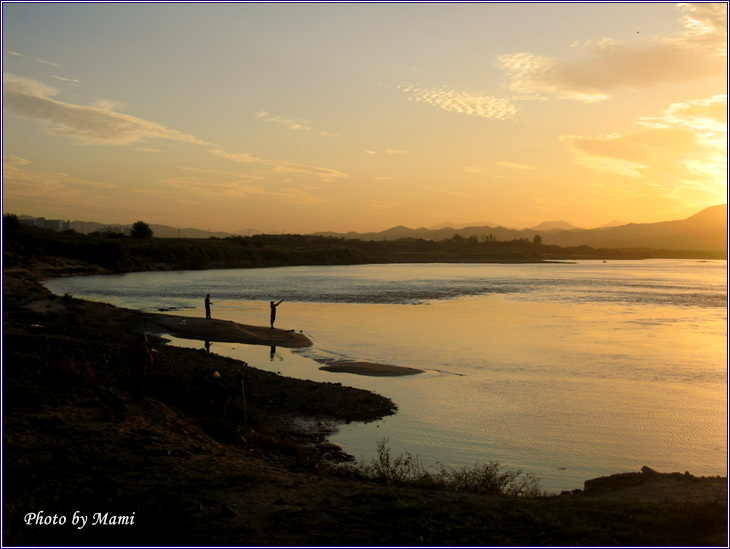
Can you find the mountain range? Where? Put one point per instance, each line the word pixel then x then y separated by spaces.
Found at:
pixel 704 231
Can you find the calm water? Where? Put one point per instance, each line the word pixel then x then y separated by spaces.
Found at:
pixel 569 371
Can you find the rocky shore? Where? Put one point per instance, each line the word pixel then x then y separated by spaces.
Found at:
pixel 172 469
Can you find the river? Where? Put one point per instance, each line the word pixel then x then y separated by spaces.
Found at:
pixel 569 371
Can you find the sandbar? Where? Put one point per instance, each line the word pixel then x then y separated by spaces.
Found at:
pixel 370 369
pixel 224 331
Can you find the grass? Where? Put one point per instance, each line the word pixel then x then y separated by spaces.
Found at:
pixel 482 478
pixel 526 515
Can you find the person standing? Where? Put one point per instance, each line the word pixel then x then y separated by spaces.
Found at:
pixel 141 359
pixel 207 306
pixel 273 312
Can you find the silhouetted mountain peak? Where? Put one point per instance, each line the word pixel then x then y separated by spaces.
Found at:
pixel 554 226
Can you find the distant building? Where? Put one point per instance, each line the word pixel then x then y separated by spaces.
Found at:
pixel 50 224
pixel 57 225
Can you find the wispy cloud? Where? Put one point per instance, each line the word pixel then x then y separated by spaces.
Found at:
pixel 688 144
pixel 699 50
pixel 386 151
pixel 69 81
pixel 297 124
pixel 290 123
pixel 490 167
pixel 513 166
pixel 233 188
pixel 44 62
pixel 383 208
pixel 450 192
pixel 219 184
pixel 461 101
pixel 298 196
pixel 281 166
pixel 28 98
pixel 49 190
pixel 14 160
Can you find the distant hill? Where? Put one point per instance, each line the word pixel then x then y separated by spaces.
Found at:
pixel 160 231
pixel 704 231
pixel 450 225
pixel 554 226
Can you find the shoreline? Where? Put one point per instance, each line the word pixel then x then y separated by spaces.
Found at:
pixel 75 440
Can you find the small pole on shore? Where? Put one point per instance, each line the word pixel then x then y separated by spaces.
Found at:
pixel 243 395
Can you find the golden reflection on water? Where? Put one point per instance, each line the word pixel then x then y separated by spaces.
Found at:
pixel 568 391
pixel 567 371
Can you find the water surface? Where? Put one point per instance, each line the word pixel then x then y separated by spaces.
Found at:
pixel 569 371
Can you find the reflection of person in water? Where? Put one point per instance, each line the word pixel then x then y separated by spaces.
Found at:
pixel 273 352
pixel 273 312
pixel 207 346
pixel 207 306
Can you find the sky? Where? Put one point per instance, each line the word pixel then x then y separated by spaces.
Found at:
pixel 314 117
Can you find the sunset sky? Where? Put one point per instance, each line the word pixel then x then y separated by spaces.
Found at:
pixel 358 117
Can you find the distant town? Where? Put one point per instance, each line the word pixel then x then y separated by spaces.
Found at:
pixel 59 225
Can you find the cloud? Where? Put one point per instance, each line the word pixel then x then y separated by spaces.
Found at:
pixel 461 101
pixel 69 81
pixel 297 124
pixel 383 208
pixel 281 166
pixel 238 186
pixel 51 190
pixel 28 98
pixel 297 196
pixel 688 144
pixel 386 151
pixel 44 62
pixel 234 188
pixel 14 160
pixel 108 105
pixel 513 166
pixel 699 50
pixel 290 123
pixel 487 168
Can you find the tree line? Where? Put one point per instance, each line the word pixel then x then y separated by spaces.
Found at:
pixel 142 251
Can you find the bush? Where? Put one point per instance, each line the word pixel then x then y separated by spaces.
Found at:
pixel 482 478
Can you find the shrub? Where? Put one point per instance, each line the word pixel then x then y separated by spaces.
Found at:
pixel 483 478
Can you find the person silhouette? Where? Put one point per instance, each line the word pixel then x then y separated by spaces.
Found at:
pixel 207 306
pixel 273 311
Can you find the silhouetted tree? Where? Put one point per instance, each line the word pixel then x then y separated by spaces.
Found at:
pixel 537 240
pixel 11 222
pixel 141 230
